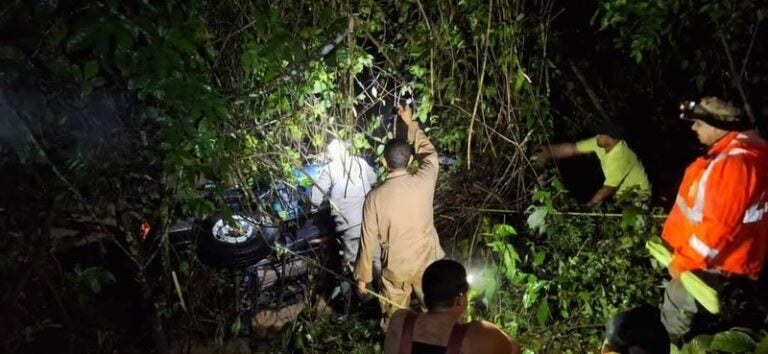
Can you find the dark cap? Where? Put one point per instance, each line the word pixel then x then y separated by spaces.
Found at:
pixel 610 128
pixel 715 112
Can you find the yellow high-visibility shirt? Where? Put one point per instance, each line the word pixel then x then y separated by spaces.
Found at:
pixel 621 167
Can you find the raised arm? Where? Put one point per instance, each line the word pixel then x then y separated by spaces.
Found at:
pixel 423 148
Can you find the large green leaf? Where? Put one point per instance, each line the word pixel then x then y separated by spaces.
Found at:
pixel 519 81
pixel 542 313
pixel 510 261
pixel 503 230
pixel 733 342
pixel 762 347
pixel 699 344
pixel 536 219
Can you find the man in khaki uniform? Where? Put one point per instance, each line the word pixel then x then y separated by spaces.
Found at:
pixel 398 217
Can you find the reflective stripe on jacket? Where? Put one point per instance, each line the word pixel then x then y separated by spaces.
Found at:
pixel 720 218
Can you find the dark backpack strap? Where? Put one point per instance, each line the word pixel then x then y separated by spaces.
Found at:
pixel 457 336
pixel 406 336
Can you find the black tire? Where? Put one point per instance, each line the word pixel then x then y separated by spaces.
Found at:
pixel 235 252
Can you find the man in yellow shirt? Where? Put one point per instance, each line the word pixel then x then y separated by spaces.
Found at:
pixel 622 170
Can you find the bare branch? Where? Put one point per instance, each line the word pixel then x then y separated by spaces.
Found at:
pixel 591 93
pixel 733 73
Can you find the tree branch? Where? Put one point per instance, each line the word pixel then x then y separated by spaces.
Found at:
pixel 739 86
pixel 591 93
pixel 479 87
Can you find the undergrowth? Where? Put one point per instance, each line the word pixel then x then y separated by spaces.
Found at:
pixel 551 284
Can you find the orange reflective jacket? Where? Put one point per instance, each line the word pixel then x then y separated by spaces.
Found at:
pixel 720 218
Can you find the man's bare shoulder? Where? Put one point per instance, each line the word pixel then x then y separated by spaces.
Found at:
pixel 483 328
pixel 485 337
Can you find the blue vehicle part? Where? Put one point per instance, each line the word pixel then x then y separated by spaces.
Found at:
pixel 308 174
pixel 288 202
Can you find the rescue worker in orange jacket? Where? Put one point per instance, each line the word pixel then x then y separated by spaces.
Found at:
pixel 718 227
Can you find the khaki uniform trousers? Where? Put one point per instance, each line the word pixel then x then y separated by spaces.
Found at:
pixel 398 292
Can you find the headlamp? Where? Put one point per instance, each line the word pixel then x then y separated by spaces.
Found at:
pixel 690 110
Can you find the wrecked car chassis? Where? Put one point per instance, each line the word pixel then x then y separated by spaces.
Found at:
pixel 270 247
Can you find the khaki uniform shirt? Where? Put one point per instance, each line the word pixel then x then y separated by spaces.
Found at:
pixel 398 215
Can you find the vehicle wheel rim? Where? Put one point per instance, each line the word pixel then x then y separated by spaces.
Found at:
pixel 242 230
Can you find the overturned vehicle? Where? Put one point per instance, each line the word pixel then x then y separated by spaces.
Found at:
pixel 270 236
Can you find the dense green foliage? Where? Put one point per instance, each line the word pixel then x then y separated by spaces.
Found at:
pixel 567 272
pixel 727 31
pixel 114 112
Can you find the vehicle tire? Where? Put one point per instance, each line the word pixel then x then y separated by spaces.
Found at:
pixel 226 246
